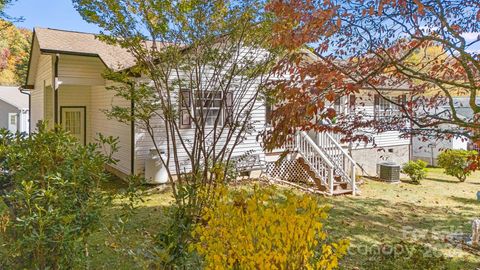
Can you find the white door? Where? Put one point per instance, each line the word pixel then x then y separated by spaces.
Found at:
pixel 13 122
pixel 73 121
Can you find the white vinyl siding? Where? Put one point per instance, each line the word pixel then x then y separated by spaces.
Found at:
pixel 249 144
pixel 365 103
pixel 81 84
pixel 101 100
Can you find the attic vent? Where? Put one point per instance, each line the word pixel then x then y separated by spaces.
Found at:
pixel 389 172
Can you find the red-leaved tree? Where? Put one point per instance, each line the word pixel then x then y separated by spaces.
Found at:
pixel 429 47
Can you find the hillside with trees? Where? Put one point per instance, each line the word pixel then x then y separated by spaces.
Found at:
pixel 14 47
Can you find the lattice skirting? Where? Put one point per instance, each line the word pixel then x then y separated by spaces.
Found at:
pixel 289 170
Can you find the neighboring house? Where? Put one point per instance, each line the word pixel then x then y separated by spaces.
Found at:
pixel 14 113
pixel 66 87
pixel 428 149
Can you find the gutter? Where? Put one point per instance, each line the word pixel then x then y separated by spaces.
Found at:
pixel 132 136
pixel 24 91
pixel 55 87
pixel 57 52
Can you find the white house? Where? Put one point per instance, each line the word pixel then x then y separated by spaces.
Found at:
pixel 14 112
pixel 428 149
pixel 66 87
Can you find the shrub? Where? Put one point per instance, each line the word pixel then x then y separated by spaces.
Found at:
pixel 266 229
pixel 50 185
pixel 456 163
pixel 167 249
pixel 416 170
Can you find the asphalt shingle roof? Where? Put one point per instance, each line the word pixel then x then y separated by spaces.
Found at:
pixel 114 57
pixel 14 97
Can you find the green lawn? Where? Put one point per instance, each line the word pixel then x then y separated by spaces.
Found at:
pixel 379 215
pixel 384 212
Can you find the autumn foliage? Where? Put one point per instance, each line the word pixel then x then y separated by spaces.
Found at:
pixel 340 48
pixel 14 47
pixel 266 229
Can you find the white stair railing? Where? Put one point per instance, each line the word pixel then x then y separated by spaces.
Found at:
pixel 344 165
pixel 314 158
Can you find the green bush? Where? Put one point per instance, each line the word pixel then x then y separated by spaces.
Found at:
pixel 416 170
pixel 456 163
pixel 50 185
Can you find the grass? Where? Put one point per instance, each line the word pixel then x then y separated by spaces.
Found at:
pixel 440 205
pixel 426 213
pixel 384 213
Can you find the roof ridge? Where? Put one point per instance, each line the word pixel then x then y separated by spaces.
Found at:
pixel 65 30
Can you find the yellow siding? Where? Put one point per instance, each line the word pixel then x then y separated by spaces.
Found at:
pixel 43 78
pixel 80 70
pixel 81 84
pixel 75 95
pixel 102 99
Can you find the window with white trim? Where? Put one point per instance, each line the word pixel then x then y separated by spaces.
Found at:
pixel 13 119
pixel 383 108
pixel 209 105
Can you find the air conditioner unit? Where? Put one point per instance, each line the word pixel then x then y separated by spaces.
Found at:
pixel 389 171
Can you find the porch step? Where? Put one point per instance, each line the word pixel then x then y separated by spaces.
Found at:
pixel 338 186
pixel 319 157
pixel 311 173
pixel 342 192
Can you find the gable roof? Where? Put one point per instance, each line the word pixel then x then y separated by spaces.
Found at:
pixel 70 42
pixel 14 97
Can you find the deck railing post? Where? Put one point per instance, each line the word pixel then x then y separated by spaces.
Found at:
pixel 330 180
pixel 354 184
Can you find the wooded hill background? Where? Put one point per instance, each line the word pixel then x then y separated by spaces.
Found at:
pixel 14 48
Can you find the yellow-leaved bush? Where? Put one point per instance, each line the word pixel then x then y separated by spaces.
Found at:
pixel 265 229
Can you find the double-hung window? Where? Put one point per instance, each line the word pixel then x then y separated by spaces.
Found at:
pixel 383 108
pixel 207 107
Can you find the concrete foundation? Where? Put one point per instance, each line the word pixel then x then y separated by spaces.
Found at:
pixel 369 158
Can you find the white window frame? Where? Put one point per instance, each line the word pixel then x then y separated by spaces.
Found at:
pixel 209 107
pixel 386 109
pixel 15 116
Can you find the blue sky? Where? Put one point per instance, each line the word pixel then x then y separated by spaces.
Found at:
pixel 50 13
pixel 61 14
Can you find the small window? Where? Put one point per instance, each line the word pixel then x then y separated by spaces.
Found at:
pixel 208 105
pixel 337 105
pixel 229 115
pixel 13 119
pixel 383 108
